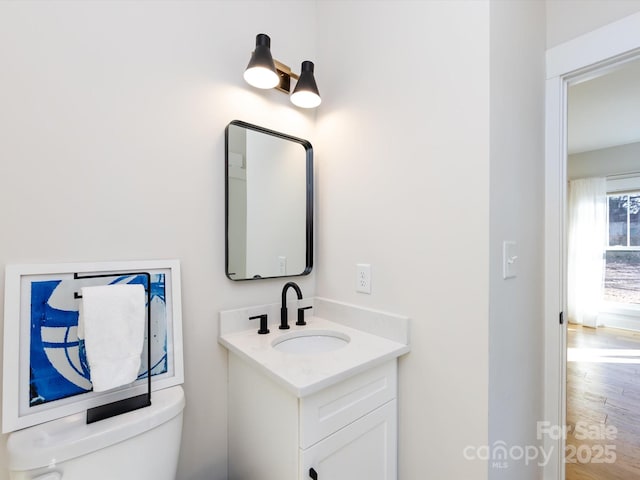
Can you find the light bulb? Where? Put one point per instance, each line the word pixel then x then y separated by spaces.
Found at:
pixel 261 77
pixel 305 99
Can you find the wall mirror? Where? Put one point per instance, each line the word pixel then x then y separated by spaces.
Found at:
pixel 268 203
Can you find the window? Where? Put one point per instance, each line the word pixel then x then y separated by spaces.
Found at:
pixel 624 220
pixel 622 272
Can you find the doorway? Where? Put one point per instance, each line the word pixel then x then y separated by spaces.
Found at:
pixel 580 60
pixel 603 280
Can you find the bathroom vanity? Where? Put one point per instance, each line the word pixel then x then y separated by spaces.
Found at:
pixel 301 407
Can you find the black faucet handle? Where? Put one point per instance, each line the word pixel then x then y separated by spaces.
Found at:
pixel 301 315
pixel 263 323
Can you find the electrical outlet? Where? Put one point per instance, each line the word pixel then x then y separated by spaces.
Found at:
pixel 282 265
pixel 363 278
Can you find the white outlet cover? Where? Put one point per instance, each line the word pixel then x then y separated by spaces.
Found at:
pixel 282 265
pixel 363 278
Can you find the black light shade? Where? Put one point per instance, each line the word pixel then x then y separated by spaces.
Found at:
pixel 261 71
pixel 306 94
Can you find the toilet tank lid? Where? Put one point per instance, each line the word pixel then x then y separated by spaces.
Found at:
pixel 70 437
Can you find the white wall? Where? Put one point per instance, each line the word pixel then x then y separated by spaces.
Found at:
pixel 112 148
pixel 606 161
pixel 517 160
pixel 568 19
pixel 403 177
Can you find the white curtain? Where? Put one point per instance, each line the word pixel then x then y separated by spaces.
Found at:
pixel 586 245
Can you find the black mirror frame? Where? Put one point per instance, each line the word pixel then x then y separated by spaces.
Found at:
pixel 309 196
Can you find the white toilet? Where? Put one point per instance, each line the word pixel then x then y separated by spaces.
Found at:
pixel 143 445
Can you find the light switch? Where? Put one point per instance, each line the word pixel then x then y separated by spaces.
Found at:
pixel 509 259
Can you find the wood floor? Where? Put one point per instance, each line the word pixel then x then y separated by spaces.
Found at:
pixel 603 404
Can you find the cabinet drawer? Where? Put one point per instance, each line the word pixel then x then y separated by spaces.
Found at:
pixel 365 450
pixel 327 411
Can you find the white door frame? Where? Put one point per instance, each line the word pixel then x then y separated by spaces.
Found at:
pixel 588 55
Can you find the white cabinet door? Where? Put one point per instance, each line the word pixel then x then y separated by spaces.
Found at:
pixel 363 450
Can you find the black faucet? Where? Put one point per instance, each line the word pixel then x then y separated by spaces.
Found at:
pixel 263 323
pixel 284 325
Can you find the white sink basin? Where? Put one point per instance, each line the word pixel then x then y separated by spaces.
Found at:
pixel 311 341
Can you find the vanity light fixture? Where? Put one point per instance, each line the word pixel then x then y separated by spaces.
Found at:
pixel 306 93
pixel 261 71
pixel 265 72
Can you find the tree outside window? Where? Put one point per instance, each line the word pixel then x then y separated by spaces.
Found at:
pixel 622 272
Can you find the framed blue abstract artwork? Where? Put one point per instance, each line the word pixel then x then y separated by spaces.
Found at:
pixel 45 368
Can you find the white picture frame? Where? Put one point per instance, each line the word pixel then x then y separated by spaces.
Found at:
pixel 22 404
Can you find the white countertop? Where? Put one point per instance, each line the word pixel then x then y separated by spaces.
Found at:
pixel 304 374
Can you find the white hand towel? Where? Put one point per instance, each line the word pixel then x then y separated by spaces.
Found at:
pixel 111 321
